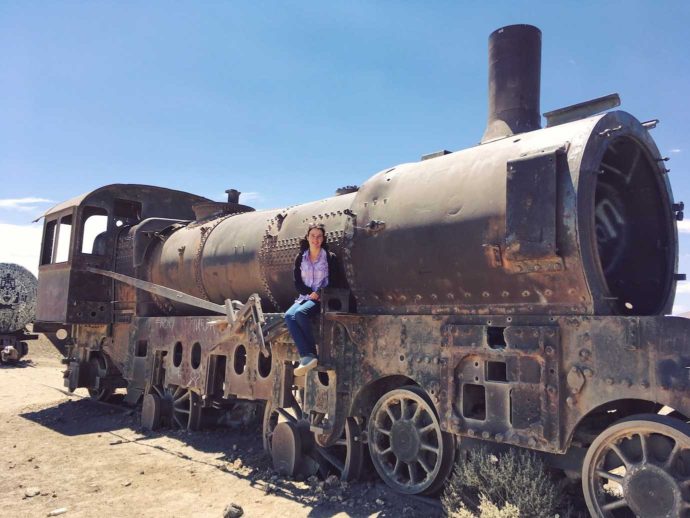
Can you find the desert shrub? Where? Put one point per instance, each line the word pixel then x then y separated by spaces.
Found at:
pixel 486 509
pixel 513 483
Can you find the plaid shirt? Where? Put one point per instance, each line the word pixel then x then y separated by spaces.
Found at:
pixel 314 275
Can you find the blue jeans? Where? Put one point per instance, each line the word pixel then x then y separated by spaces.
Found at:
pixel 298 323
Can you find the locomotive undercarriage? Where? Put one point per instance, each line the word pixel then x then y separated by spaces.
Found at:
pixel 404 393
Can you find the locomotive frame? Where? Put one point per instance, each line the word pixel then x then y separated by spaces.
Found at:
pixel 564 350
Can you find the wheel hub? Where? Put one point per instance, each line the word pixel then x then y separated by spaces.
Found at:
pixel 405 440
pixel 651 491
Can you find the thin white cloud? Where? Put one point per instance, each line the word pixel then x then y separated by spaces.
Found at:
pixel 247 197
pixel 683 287
pixel 684 226
pixel 21 244
pixel 680 310
pixel 23 204
pixel 676 150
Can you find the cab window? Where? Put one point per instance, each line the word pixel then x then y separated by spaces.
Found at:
pixel 94 227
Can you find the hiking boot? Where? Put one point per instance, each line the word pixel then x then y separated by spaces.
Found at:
pixel 306 363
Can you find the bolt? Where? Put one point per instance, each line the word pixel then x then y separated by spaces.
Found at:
pixel 549 350
pixel 570 401
pixel 551 389
pixel 644 384
pixel 499 437
pixel 485 434
pixel 585 354
pixel 588 373
pixel 470 432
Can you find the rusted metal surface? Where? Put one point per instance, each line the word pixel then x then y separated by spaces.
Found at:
pixel 512 292
pixel 514 81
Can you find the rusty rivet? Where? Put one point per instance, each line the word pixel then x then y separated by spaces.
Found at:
pixel 505 294
pixel 525 293
pixel 468 295
pixel 548 293
pixel 609 381
pixel 485 294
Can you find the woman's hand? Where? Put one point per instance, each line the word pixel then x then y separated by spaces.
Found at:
pixel 314 296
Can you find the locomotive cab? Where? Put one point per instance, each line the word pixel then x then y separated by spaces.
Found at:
pixel 84 232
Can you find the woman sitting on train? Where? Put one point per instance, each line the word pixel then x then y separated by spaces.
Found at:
pixel 313 265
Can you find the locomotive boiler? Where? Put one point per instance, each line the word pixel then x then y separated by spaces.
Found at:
pixel 511 293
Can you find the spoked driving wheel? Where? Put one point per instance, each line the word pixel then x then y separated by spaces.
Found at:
pixel 290 442
pixel 639 467
pixel 172 405
pixel 98 367
pixel 408 449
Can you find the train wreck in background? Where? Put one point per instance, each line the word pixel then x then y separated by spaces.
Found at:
pixel 18 288
pixel 512 293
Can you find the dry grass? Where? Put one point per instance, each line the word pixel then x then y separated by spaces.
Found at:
pixel 508 485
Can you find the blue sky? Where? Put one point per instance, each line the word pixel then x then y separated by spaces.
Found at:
pixel 287 101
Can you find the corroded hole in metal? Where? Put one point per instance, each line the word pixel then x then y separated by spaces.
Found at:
pixel 196 355
pixel 495 338
pixel 264 365
pixel 177 354
pixel 474 401
pixel 239 360
pixel 323 377
pixel 496 371
pixel 632 234
pixel 142 348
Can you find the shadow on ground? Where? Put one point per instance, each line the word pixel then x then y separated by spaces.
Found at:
pixel 235 448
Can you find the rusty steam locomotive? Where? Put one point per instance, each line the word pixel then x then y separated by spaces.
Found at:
pixel 534 317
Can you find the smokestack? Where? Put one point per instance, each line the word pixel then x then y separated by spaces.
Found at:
pixel 514 81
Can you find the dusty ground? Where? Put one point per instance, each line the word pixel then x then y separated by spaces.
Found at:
pixel 94 460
